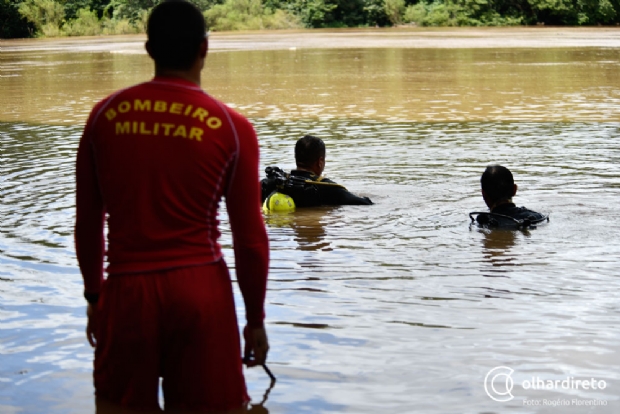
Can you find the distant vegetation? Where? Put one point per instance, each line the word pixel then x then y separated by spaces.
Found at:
pixel 27 18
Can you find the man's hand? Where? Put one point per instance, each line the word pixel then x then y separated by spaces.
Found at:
pixel 256 346
pixel 91 325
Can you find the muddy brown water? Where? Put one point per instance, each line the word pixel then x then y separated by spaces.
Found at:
pixel 400 307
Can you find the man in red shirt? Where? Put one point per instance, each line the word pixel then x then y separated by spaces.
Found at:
pixel 156 158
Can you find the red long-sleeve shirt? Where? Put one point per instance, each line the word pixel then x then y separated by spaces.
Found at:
pixel 157 158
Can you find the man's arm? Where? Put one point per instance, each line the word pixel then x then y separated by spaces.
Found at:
pixel 250 240
pixel 89 224
pixel 89 219
pixel 338 195
pixel 351 199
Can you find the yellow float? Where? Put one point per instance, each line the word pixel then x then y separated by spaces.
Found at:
pixel 278 203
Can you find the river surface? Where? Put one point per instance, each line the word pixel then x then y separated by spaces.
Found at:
pixel 399 307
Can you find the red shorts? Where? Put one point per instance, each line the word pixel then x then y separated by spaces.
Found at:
pixel 179 325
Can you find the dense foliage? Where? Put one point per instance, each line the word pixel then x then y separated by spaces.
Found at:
pixel 12 24
pixel 22 18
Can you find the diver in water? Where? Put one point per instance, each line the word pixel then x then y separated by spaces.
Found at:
pixel 498 189
pixel 305 185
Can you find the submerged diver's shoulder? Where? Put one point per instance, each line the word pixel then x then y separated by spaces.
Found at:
pixel 326 180
pixel 519 213
pixel 509 216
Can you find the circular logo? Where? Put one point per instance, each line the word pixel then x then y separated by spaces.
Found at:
pixel 498 384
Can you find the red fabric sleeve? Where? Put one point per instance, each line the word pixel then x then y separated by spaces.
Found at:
pixel 90 215
pixel 250 240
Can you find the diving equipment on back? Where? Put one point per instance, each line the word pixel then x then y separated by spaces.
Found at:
pixel 274 200
pixel 496 220
pixel 308 189
pixel 278 203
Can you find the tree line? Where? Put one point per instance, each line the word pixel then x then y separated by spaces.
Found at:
pixel 29 18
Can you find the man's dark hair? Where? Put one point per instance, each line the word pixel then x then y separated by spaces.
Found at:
pixel 175 30
pixel 308 150
pixel 497 183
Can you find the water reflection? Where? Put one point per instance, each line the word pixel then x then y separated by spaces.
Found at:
pixel 356 289
pixel 497 246
pixel 49 86
pixel 105 407
pixel 308 226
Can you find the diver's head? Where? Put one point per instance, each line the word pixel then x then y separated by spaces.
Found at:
pixel 310 154
pixel 177 36
pixel 498 185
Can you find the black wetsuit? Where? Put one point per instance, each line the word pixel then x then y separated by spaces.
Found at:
pixel 503 215
pixel 311 195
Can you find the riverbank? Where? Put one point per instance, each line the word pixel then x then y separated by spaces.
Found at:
pixel 421 38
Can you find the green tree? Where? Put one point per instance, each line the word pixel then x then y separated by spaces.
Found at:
pixel 248 15
pixel 574 12
pixel 46 15
pixel 601 11
pixel 395 9
pixel 313 13
pixel 375 12
pixel 12 23
pixel 132 10
pixel 72 7
pixel 85 23
pixel 21 18
pixel 460 13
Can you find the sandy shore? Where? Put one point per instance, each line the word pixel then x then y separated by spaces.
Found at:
pixel 528 37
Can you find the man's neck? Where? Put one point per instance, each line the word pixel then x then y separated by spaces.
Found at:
pixel 306 170
pixel 501 203
pixel 188 75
